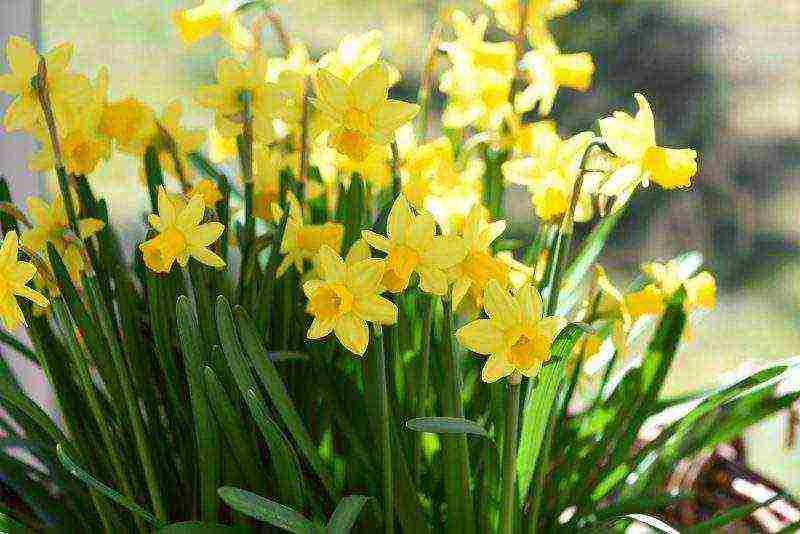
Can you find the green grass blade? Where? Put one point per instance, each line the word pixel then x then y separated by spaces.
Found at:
pixel 112 494
pixel 716 523
pixel 199 527
pixel 205 429
pixel 447 425
pixel 346 514
pixel 536 411
pixel 267 511
pixel 276 390
pixel 283 458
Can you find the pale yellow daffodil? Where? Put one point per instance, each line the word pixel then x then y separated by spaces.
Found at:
pixel 14 277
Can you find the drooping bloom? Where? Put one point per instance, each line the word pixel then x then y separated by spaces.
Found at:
pixel 14 277
pixel 180 235
pixel 360 113
pixel 51 226
pixel 67 91
pixel 214 16
pixel 471 274
pixel 539 13
pixel 667 278
pixel 346 298
pixel 550 170
pixel 412 246
pixel 548 70
pixel 633 140
pixel 516 336
pixel 304 241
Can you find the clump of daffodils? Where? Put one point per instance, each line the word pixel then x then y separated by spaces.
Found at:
pixel 319 216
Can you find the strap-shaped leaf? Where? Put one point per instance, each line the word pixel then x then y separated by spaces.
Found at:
pixel 447 425
pixel 345 515
pixel 267 511
pixel 716 523
pixel 199 527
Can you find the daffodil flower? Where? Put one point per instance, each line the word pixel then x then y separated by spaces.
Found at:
pixel 52 226
pixel 208 190
pixel 67 91
pixel 516 336
pixel 180 235
pixel 346 298
pixel 633 140
pixel 548 70
pixel 412 246
pixel 214 16
pixel 14 277
pixel 360 113
pixel 471 274
pixel 667 278
pixel 550 172
pixel 303 242
pixel 539 13
pixel 268 164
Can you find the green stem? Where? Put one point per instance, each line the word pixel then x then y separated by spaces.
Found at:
pixel 424 367
pixel 245 145
pixel 381 394
pixel 135 415
pixel 510 456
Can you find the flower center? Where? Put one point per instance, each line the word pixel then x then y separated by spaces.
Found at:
pixel 400 263
pixel 495 95
pixel 311 238
pixel 331 301
pixel 527 347
pixel 351 142
pixel 356 119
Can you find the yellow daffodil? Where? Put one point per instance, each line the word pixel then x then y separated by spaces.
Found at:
pixel 429 168
pixel 667 278
pixel 267 167
pixel 548 70
pixel 471 274
pixel 516 336
pixel 550 171
pixel 14 277
pixel 633 140
pixel 180 235
pixel 129 122
pixel 412 246
pixel 208 190
pixel 303 242
pixel 67 91
pixel 374 168
pixel 360 113
pixel 346 298
pixel 214 16
pixel 612 305
pixel 50 225
pixel 225 97
pixel 471 51
pixel 354 54
pixel 539 13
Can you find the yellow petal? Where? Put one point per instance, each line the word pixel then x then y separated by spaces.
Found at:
pixel 500 306
pixel 9 250
pixel 389 116
pixel 460 288
pixel 23 59
pixel 495 368
pixel 376 241
pixel 420 234
pixel 204 256
pixel 669 167
pixel 88 227
pixel 370 87
pixel 192 214
pixel 331 91
pixel 701 291
pixel 432 280
pixel 205 234
pixel 444 252
pixel 331 264
pixel 399 220
pixel 645 302
pixel 481 336
pixel 365 276
pixel 376 309
pixel 358 252
pixel 353 333
pixel 530 302
pixel 166 209
pixel 32 295
pixel 58 59
pixel 319 328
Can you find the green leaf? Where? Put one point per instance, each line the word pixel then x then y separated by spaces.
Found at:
pixel 10 526
pixel 283 458
pixel 346 514
pixel 199 527
pixel 205 429
pixel 446 425
pixel 623 508
pixel 538 404
pixel 716 523
pixel 267 511
pixel 280 398
pixel 155 177
pixel 112 494
pixel 586 256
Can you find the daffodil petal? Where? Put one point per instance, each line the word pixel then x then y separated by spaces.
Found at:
pixel 365 276
pixel 482 336
pixel 500 306
pixel 353 333
pixel 530 302
pixel 495 368
pixel 376 241
pixel 376 309
pixel 205 256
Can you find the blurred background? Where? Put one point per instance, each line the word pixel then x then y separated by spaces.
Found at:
pixel 723 77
